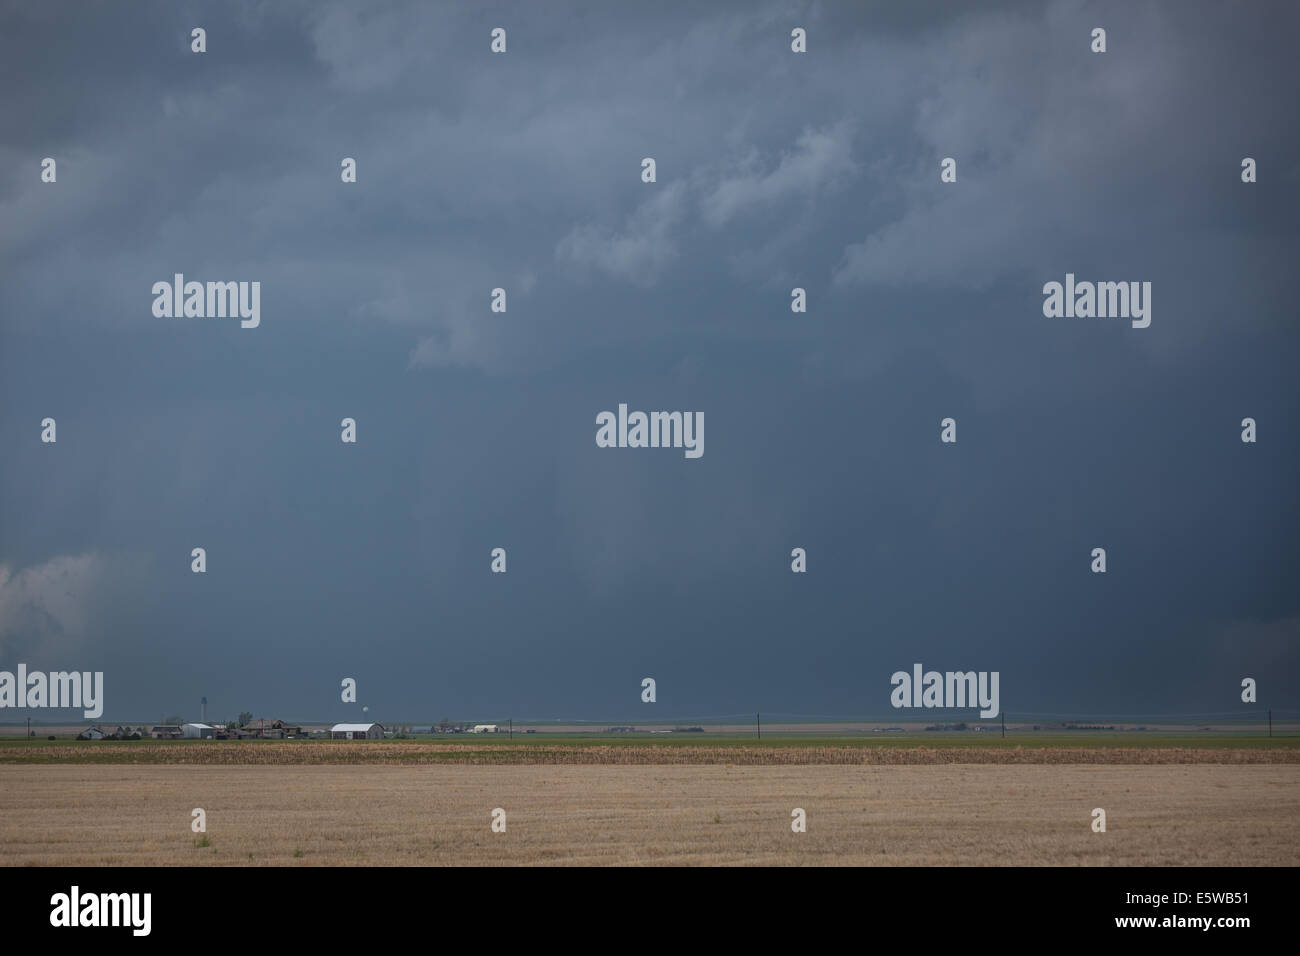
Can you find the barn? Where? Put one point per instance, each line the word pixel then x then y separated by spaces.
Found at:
pixel 357 732
pixel 198 731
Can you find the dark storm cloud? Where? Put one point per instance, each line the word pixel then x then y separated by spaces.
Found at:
pixel 476 428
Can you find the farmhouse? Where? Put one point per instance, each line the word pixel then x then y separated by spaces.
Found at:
pixel 486 729
pixel 91 733
pixel 277 729
pixel 165 732
pixel 357 732
pixel 198 731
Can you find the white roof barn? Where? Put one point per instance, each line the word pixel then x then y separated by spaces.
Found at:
pixel 197 730
pixel 357 732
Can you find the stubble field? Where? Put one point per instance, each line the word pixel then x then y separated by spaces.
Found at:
pixel 1182 813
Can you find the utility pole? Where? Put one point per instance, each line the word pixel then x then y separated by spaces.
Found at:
pixel 759 718
pixel 512 728
pixel 1270 725
pixel 1270 721
pixel 1004 725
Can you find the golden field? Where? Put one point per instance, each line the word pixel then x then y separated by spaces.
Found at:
pixel 719 750
pixel 1225 812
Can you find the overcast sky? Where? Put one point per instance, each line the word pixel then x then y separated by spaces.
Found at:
pixel 476 429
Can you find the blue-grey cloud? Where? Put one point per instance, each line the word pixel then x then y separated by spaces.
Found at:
pixel 522 171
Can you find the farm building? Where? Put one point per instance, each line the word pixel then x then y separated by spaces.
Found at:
pixel 165 732
pixel 357 732
pixel 198 731
pixel 486 729
pixel 99 733
pixel 277 729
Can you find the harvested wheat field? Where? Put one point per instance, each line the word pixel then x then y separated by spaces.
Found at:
pixel 1217 750
pixel 428 815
